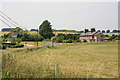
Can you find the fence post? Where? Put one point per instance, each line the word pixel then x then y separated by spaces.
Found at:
pixel 56 70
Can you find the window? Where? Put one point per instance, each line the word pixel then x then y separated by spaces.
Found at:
pixel 101 35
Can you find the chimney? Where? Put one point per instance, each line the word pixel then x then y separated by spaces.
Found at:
pixel 92 30
pixel 86 30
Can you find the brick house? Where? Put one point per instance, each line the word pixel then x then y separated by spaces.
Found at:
pixel 91 36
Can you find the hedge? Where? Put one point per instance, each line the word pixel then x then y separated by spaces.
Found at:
pixel 3 46
pixel 16 46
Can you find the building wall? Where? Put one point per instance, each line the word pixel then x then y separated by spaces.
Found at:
pixel 97 38
pixel 100 37
pixel 86 38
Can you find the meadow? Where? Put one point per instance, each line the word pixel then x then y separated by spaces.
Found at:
pixel 67 60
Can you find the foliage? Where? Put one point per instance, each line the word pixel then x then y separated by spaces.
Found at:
pixel 59 39
pixel 3 40
pixel 34 30
pixel 68 41
pixel 118 37
pixel 13 40
pixel 106 35
pixel 16 46
pixel 103 31
pixel 17 30
pixel 6 29
pixel 113 36
pixel 108 31
pixel 116 31
pixel 25 37
pixel 45 29
pixel 3 46
pixel 18 40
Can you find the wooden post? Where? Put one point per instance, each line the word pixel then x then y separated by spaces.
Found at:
pixel 56 70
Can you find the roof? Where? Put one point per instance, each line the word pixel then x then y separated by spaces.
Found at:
pixel 107 38
pixel 90 33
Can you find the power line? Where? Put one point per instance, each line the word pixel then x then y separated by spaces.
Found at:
pixel 8 20
pixel 5 23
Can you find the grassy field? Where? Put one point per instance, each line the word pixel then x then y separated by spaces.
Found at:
pixel 74 60
pixel 110 34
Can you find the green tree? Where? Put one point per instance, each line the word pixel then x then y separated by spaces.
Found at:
pixel 60 39
pixel 18 40
pixel 45 29
pixel 17 30
pixel 13 40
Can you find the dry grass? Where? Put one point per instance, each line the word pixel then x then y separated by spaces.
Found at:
pixel 81 60
pixel 110 34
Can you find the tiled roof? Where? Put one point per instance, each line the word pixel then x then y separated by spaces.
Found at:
pixel 107 38
pixel 90 33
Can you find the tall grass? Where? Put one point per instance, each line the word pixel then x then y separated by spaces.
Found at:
pixel 80 60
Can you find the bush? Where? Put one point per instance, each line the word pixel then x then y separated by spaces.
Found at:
pixel 16 46
pixel 3 46
pixel 85 40
pixel 47 40
pixel 3 40
pixel 40 38
pixel 18 40
pixel 60 39
pixel 13 40
pixel 67 41
pixel 78 40
pixel 13 44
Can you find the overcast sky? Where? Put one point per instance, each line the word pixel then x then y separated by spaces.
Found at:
pixel 63 15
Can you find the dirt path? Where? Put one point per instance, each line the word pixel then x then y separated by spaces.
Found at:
pixel 51 43
pixel 28 45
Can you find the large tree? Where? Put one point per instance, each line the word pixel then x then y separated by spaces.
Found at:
pixel 108 31
pixel 45 29
pixel 17 30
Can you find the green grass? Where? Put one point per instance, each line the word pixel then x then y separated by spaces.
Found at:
pixel 75 60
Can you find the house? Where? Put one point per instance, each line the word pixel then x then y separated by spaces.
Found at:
pixel 107 39
pixel 91 36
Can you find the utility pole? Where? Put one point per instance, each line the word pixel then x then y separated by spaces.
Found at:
pixel 37 37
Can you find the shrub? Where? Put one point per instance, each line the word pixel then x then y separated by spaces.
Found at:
pixel 60 39
pixel 64 41
pixel 106 35
pixel 13 40
pixel 67 41
pixel 40 38
pixel 3 46
pixel 18 40
pixel 13 44
pixel 85 40
pixel 78 40
pixel 46 39
pixel 3 40
pixel 16 46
